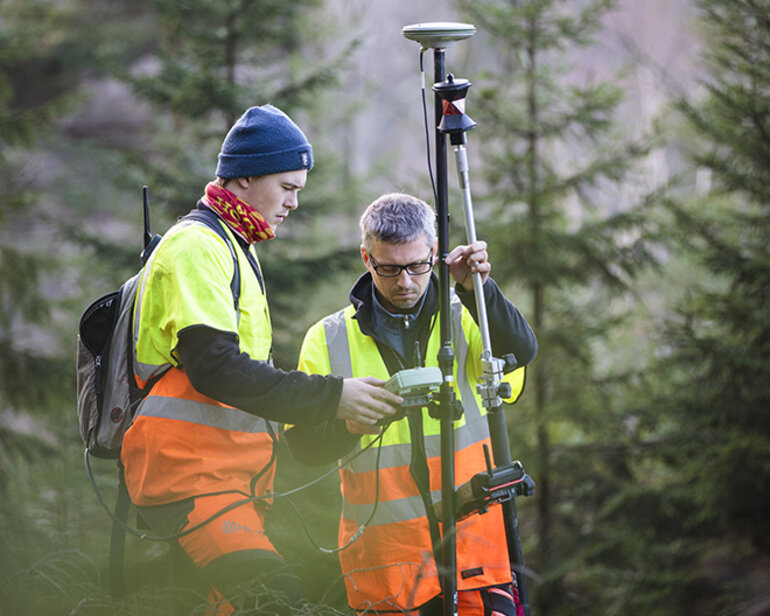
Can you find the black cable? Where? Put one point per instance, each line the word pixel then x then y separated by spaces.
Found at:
pixel 362 527
pixel 136 533
pixel 425 123
pixel 258 476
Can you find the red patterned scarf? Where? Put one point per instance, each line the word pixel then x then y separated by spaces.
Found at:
pixel 243 218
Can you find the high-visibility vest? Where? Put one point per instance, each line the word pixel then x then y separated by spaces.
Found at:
pixel 391 567
pixel 184 444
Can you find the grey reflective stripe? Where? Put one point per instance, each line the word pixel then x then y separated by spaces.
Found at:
pixel 389 512
pixel 394 455
pixel 203 414
pixel 470 405
pixel 147 371
pixel 337 345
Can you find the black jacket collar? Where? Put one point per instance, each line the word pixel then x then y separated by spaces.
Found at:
pixel 395 331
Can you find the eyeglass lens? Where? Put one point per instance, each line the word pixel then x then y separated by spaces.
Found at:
pixel 413 269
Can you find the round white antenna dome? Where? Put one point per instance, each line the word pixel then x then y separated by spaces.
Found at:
pixel 438 33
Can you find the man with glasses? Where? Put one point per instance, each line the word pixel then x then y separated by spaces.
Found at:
pixel 392 474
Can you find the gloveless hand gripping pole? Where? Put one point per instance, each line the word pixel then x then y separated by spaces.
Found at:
pixel 491 387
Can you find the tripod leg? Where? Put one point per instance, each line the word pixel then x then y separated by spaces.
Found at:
pixel 501 455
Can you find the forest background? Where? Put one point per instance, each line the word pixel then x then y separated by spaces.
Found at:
pixel 620 172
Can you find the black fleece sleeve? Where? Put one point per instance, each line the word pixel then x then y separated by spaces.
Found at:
pixel 217 368
pixel 509 331
pixel 322 443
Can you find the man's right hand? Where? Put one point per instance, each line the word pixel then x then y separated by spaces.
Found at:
pixel 364 401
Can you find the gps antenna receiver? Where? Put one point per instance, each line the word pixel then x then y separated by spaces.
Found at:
pixel 438 34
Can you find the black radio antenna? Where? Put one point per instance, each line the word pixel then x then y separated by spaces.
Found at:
pixel 147 232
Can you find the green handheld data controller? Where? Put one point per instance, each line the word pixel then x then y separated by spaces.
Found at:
pixel 415 386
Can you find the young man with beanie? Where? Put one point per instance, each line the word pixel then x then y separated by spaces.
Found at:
pixel 388 526
pixel 199 457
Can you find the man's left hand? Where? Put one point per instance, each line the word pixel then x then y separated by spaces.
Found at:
pixel 464 261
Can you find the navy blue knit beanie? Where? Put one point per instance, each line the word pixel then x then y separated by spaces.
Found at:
pixel 263 141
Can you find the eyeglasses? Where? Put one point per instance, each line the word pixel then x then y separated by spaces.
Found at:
pixel 390 270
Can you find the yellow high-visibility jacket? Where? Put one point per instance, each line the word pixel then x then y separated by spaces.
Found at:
pixel 390 567
pixel 182 443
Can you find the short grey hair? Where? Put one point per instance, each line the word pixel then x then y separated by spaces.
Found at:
pixel 397 218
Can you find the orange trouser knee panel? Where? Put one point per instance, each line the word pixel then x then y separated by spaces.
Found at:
pixel 240 528
pixel 232 549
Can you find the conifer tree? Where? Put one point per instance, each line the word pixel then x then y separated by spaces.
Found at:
pixel 36 86
pixel 560 227
pixel 46 49
pixel 714 397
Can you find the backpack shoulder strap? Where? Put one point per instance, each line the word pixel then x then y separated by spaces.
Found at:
pixel 212 221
